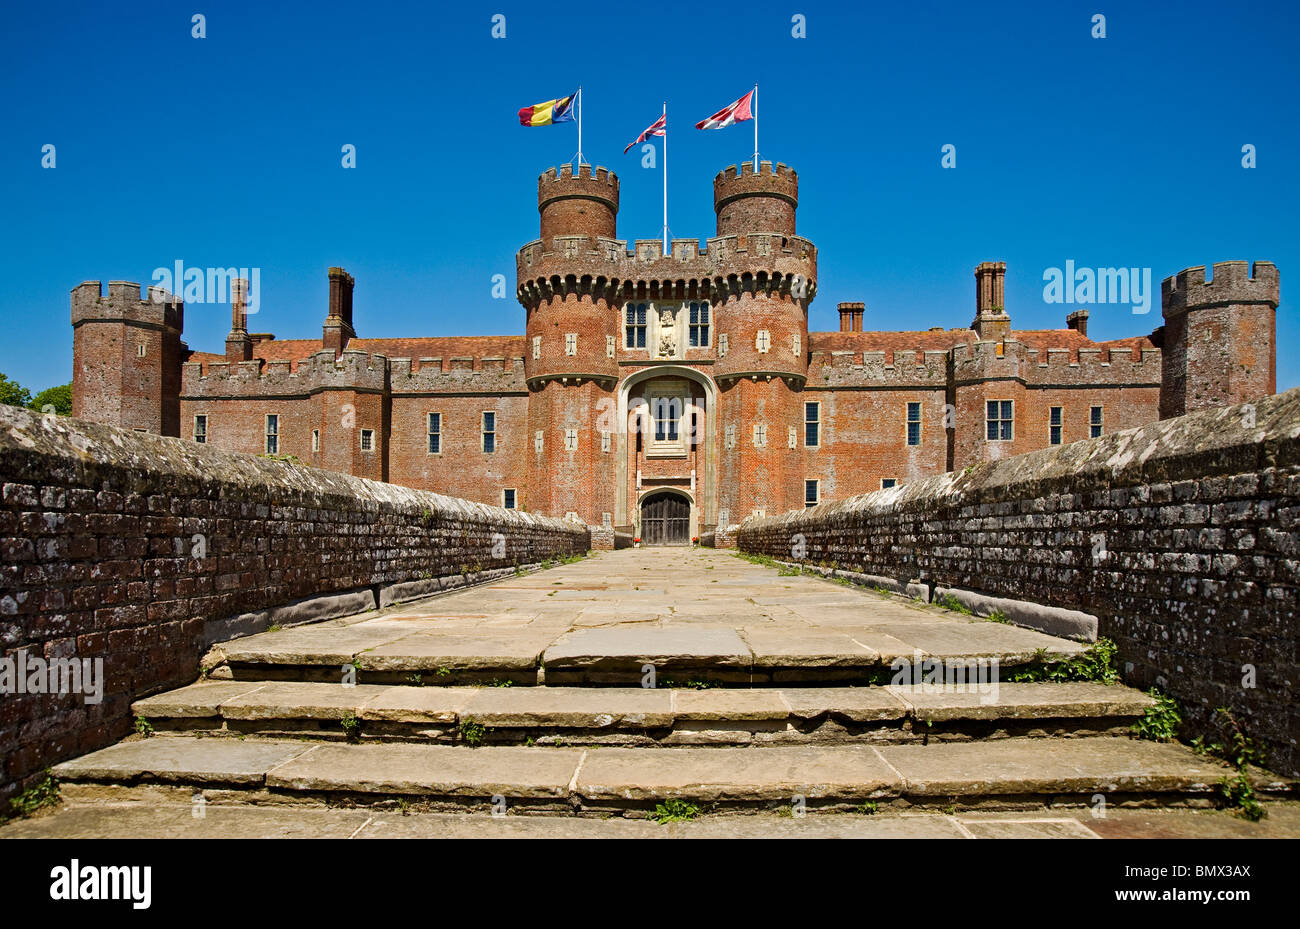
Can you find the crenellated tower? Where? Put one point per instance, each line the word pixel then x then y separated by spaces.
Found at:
pixel 127 356
pixel 1219 343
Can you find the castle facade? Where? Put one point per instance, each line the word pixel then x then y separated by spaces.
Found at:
pixel 666 396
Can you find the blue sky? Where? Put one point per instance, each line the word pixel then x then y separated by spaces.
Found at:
pixel 225 151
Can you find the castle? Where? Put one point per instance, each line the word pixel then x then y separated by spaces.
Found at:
pixel 667 396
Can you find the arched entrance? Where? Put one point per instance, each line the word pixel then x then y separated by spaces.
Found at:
pixel 665 518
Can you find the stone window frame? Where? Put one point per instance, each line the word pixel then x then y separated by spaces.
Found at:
pixel 1002 422
pixel 611 346
pixel 760 435
pixel 537 347
pixel 815 423
pixel 570 440
pixel 763 341
pixel 636 324
pixel 1096 420
pixel 315 440
pixel 488 436
pixel 141 349
pixel 271 437
pixel 605 441
pixel 815 485
pixel 698 323
pixel 433 436
pixel 909 422
pixel 509 498
pixel 796 344
pixel 1056 425
pixel 570 343
pixel 362 434
pixel 723 344
pixel 888 482
pixel 200 436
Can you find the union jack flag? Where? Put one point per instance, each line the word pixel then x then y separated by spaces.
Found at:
pixel 658 127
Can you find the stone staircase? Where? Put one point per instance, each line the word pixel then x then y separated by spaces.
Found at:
pixel 398 709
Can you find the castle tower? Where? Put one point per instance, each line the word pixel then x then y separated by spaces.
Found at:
pixel 571 332
pixel 764 280
pixel 1219 338
pixel 338 329
pixel 126 356
pixel 992 324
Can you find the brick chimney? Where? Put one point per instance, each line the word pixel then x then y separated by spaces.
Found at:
pixel 992 324
pixel 239 347
pixel 851 316
pixel 338 325
pixel 1078 321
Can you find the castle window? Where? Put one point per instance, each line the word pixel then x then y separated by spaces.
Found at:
pixel 272 434
pixel 315 440
pixel 793 438
pixel 571 439
pixel 1094 422
pixel 537 347
pixel 888 482
pixel 570 343
pixel 763 341
pixel 1056 418
pixel 731 435
pixel 604 441
pixel 489 431
pixel 434 430
pixel 635 329
pixel 699 325
pixel 201 429
pixel 1000 421
pixel 367 440
pixel 667 418
pixel 812 425
pixel 760 435
pixel 722 345
pixel 609 346
pixel 141 349
pixel 508 498
pixel 811 493
pixel 914 424
pixel 539 441
pixel 796 344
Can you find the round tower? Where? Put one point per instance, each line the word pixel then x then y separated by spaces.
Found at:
pixel 765 201
pixel 584 205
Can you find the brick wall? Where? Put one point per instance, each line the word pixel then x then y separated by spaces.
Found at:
pixel 1180 536
pixel 98 535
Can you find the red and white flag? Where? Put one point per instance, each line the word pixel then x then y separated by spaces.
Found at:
pixel 658 127
pixel 738 112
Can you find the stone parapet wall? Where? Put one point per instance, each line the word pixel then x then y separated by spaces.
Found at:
pixel 139 550
pixel 1180 536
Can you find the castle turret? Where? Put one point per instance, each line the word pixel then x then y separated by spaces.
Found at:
pixel 583 205
pixel 756 202
pixel 992 324
pixel 338 329
pixel 127 356
pixel 1219 338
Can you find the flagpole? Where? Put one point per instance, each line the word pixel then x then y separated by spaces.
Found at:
pixel 580 126
pixel 665 118
pixel 755 128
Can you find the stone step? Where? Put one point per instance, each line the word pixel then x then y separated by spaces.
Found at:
pixel 860 649
pixel 643 717
pixel 1011 774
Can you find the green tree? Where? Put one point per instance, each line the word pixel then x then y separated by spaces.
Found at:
pixel 13 393
pixel 59 397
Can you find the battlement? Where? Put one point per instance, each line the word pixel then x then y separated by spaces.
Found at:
pixel 1233 282
pixel 491 376
pixel 352 370
pixel 780 175
pixel 124 302
pixel 926 369
pixel 600 183
pixel 1100 366
pixel 756 201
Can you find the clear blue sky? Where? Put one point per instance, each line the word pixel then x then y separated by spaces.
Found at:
pixel 225 151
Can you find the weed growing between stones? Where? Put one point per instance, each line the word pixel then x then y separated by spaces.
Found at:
pixel 40 795
pixel 352 728
pixel 1096 665
pixel 997 616
pixel 867 808
pixel 1162 721
pixel 674 810
pixel 472 733
pixel 1240 751
pixel 143 727
pixel 949 602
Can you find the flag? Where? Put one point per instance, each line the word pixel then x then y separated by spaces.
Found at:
pixel 738 112
pixel 544 114
pixel 658 127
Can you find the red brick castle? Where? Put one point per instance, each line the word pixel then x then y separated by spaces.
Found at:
pixel 668 396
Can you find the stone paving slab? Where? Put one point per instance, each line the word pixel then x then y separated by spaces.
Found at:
pixel 428 705
pixel 429 651
pixel 196 701
pixel 436 770
pixel 735 774
pixel 730 704
pixel 295 700
pixel 570 707
pixel 806 648
pixel 1021 701
pixel 856 704
pixel 310 645
pixel 1051 766
pixel 623 646
pixel 978 639
pixel 175 759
